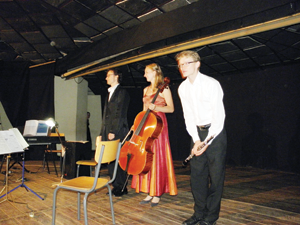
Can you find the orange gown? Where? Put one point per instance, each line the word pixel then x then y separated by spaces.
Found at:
pixel 161 177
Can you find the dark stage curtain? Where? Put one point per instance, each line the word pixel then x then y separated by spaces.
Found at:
pixel 27 94
pixel 14 81
pixel 41 94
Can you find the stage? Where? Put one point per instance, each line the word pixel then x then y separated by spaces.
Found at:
pixel 251 196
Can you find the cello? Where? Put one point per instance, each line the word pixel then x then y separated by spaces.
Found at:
pixel 136 155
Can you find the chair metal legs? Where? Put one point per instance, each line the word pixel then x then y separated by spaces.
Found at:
pixel 111 203
pixel 78 168
pixel 84 205
pixel 54 206
pixel 85 208
pixel 78 205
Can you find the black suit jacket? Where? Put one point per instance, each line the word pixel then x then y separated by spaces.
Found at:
pixel 115 115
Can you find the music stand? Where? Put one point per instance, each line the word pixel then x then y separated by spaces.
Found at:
pixel 12 141
pixel 17 161
pixel 22 184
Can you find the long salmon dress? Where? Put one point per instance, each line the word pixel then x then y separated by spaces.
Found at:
pixel 161 177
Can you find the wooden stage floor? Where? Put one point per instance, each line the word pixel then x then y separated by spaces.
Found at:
pixel 251 196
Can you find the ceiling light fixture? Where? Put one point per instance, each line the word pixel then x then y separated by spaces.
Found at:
pixel 82 39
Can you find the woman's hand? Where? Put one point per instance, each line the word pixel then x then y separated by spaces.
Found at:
pixel 152 106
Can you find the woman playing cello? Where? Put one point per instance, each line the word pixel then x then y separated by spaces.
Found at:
pixel 161 177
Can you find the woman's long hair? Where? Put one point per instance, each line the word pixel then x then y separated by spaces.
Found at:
pixel 159 78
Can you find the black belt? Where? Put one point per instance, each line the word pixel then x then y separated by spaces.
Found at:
pixel 204 127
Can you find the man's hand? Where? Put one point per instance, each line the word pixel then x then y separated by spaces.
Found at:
pixel 197 145
pixel 111 136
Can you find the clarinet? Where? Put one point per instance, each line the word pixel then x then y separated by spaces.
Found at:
pixel 186 161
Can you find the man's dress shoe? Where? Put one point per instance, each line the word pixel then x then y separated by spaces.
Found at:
pixel 119 192
pixel 192 221
pixel 207 223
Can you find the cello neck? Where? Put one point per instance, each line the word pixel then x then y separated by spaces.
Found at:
pixel 155 96
pixel 159 89
pixel 139 128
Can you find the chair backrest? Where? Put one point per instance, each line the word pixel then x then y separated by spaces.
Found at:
pixel 110 152
pixel 107 151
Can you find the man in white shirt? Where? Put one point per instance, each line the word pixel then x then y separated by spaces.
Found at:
pixel 202 102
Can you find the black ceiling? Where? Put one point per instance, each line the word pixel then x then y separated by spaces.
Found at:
pixel 53 31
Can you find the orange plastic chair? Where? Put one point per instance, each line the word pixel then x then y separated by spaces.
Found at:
pixel 106 152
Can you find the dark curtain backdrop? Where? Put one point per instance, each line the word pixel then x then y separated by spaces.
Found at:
pixel 27 94
pixel 262 117
pixel 14 82
pixel 41 94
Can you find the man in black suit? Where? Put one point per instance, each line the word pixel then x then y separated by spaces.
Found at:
pixel 114 122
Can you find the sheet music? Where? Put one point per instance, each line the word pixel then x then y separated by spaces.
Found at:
pixel 9 143
pixel 36 128
pixel 20 138
pixel 4 149
pixel 30 128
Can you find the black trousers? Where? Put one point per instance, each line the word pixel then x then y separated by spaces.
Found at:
pixel 121 175
pixel 207 177
pixel 120 180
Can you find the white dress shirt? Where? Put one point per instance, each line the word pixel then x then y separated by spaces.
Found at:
pixel 111 91
pixel 202 104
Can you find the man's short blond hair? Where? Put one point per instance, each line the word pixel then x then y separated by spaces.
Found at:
pixel 188 53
